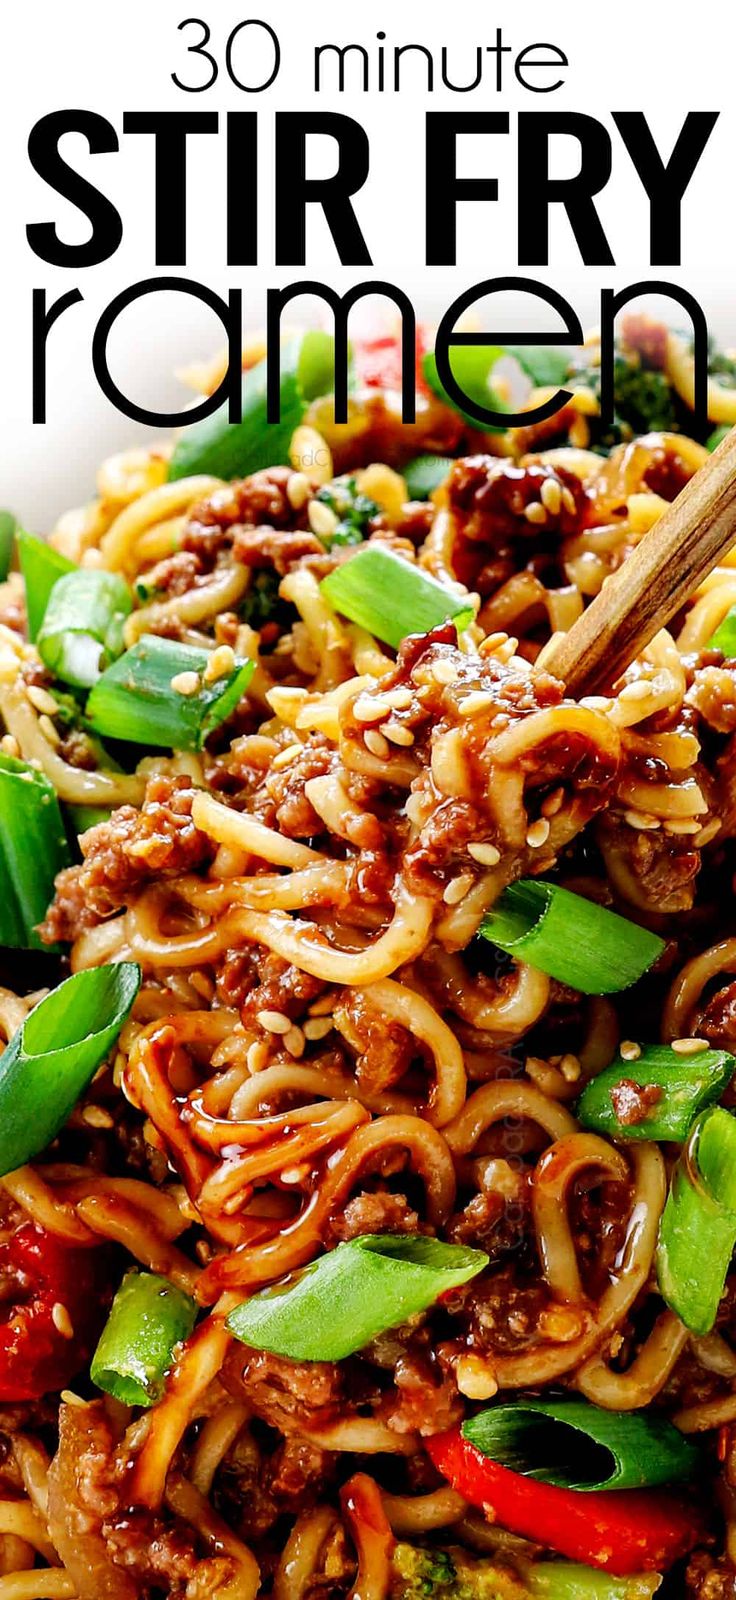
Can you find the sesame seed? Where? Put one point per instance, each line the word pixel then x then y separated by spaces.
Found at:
pixel 641 819
pixel 49 730
pixel 274 1021
pixel 256 1056
pixel 294 1041
pixel 538 834
pixel 457 888
pixel 97 1117
pixel 568 501
pixel 42 700
pixel 295 1174
pixel 399 699
pixel 62 1320
pixel 322 519
pixel 323 1006
pixel 475 702
pixel 397 733
pixel 285 757
pixel 298 490
pixel 570 1068
pixel 629 1050
pixel 317 1028
pixel 220 664
pixel 186 683
pixel 444 672
pixel 491 643
pixel 10 746
pixel 370 708
pixel 639 690
pixel 378 746
pixel 504 652
pixel 682 825
pixel 486 854
pixel 475 1378
pixel 71 1399
pixel 689 1047
pixel 551 496
pixel 536 514
pixel 597 702
pixel 552 803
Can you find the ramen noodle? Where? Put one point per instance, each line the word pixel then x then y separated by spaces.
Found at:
pixel 323 1049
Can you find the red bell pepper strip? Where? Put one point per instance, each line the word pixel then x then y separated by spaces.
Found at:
pixel 377 359
pixel 620 1531
pixel 39 1354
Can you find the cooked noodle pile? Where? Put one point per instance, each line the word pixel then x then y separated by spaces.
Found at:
pixel 322 1049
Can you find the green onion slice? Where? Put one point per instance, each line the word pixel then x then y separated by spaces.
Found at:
pixel 80 818
pixel 234 449
pixel 8 528
pixel 390 598
pixel 148 1318
pixel 425 474
pixel 339 1303
pixel 546 365
pixel 472 367
pixel 134 699
pixel 685 1085
pixel 41 567
pixel 55 1054
pixel 724 638
pixel 576 1445
pixel 572 939
pixel 33 848
pixel 697 1231
pixel 82 625
pixel 717 436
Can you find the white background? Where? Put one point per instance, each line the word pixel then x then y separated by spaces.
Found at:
pixel 116 55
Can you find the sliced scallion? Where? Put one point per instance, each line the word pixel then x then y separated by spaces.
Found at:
pixel 697 1231
pixel 8 528
pixel 425 474
pixel 82 625
pixel 724 638
pixel 55 1054
pixel 339 1303
pixel 41 567
pixel 675 1089
pixel 83 817
pixel 547 366
pixel 33 848
pixel 391 598
pixel 717 436
pixel 472 367
pixel 235 449
pixel 148 1318
pixel 570 938
pixel 143 697
pixel 576 1445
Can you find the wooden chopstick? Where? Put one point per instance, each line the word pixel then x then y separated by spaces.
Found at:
pixel 672 559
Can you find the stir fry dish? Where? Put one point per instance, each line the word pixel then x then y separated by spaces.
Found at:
pixel 368 1017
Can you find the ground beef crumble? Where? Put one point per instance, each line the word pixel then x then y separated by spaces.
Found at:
pixel 121 856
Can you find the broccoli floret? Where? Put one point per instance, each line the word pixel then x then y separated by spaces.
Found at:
pixel 423 1574
pixel 353 510
pixel 643 401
